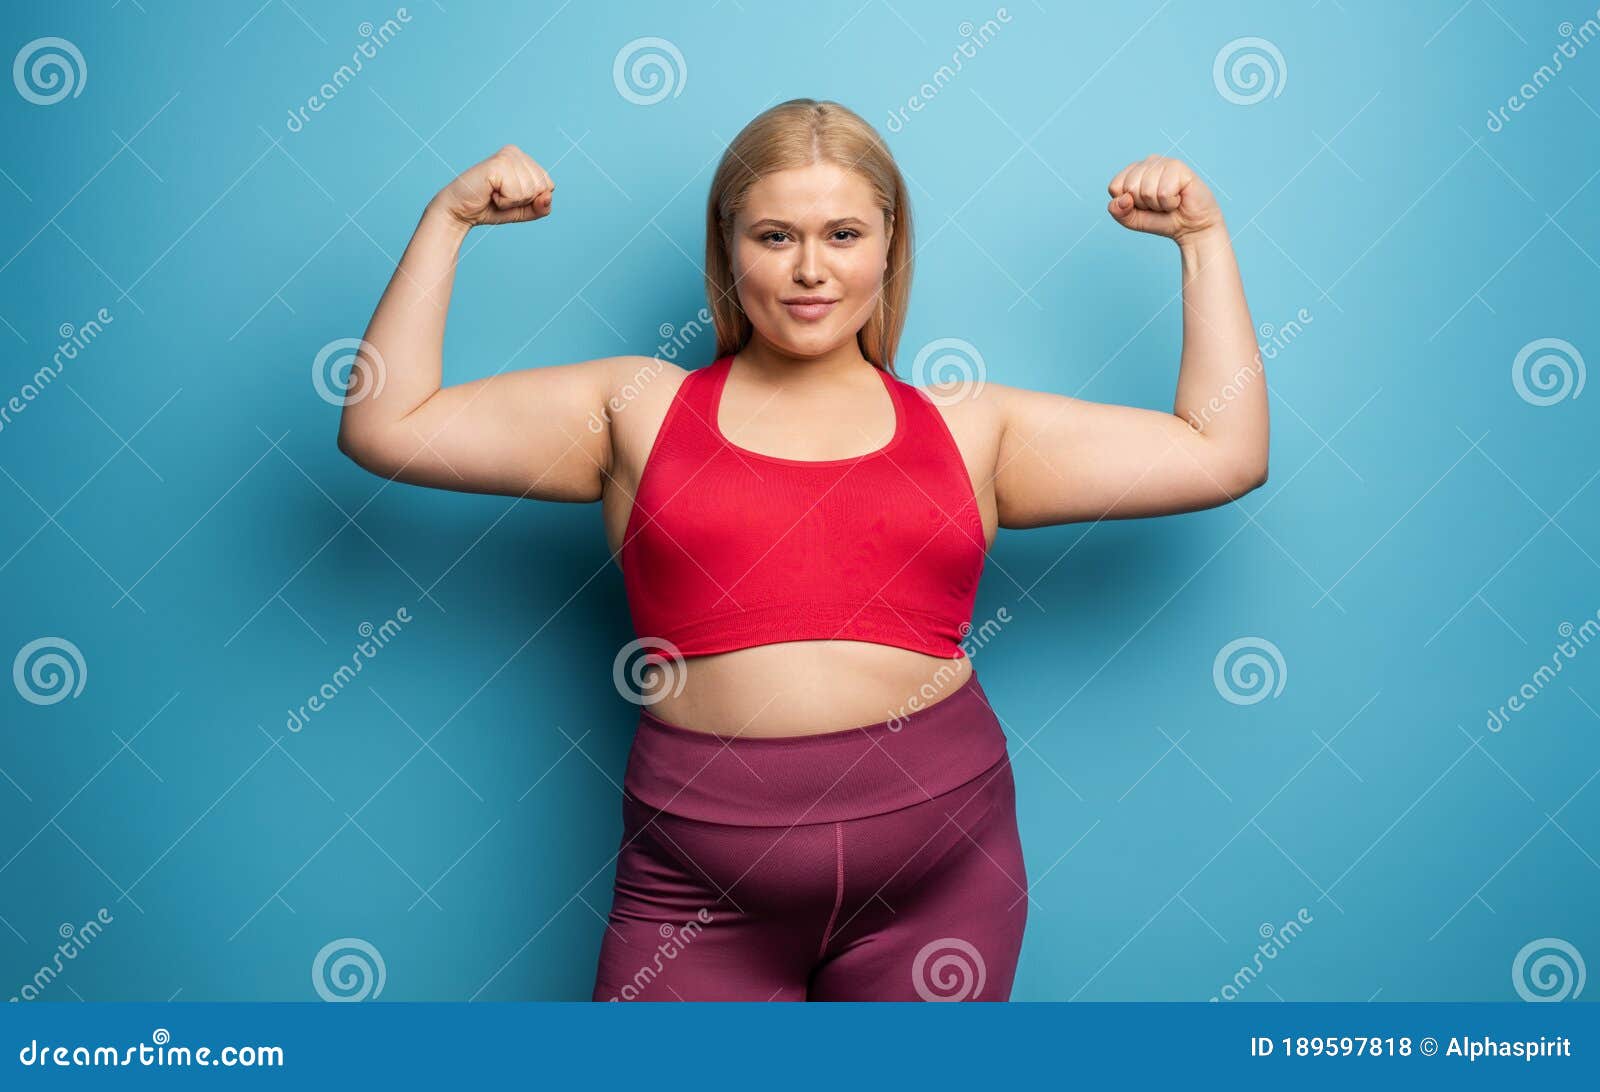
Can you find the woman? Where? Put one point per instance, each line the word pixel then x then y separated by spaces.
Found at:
pixel 819 804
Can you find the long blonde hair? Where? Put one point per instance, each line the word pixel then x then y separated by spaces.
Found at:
pixel 798 133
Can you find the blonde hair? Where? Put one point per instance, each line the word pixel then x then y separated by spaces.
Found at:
pixel 798 133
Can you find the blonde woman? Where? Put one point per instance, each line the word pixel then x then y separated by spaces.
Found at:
pixel 819 802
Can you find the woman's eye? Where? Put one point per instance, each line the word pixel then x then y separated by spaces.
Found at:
pixel 848 233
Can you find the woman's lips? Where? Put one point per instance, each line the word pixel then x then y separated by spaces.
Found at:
pixel 809 312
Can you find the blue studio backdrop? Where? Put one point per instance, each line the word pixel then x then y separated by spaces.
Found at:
pixel 1337 741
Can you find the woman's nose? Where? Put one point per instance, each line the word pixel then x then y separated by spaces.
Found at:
pixel 808 264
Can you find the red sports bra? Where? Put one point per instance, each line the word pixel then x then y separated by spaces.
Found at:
pixel 728 548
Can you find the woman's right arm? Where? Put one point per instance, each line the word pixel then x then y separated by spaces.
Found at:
pixel 536 432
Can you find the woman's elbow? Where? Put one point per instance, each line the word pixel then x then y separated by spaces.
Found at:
pixel 1251 476
pixel 360 449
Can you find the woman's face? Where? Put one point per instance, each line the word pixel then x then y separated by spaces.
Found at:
pixel 809 233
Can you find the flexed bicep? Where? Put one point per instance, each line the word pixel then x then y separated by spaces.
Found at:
pixel 543 433
pixel 1066 460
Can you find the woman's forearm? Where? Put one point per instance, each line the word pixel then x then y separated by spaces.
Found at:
pixel 404 365
pixel 1222 390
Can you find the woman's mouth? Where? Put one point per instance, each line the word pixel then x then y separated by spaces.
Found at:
pixel 808 308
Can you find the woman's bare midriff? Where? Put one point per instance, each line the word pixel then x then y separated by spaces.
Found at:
pixel 801 688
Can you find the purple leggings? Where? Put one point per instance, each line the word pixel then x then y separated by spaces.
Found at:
pixel 879 863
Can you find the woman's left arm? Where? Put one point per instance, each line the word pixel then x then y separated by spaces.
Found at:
pixel 1062 460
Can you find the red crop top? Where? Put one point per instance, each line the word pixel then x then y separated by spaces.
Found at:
pixel 728 548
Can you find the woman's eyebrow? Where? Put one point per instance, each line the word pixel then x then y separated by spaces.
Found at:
pixel 831 223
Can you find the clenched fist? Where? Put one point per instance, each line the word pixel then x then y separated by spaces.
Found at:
pixel 1163 197
pixel 507 188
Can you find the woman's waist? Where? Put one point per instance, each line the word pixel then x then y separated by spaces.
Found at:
pixel 940 736
pixel 795 688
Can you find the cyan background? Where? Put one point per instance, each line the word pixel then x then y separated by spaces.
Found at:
pixel 175 506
